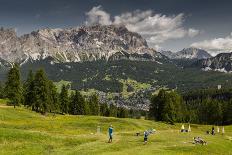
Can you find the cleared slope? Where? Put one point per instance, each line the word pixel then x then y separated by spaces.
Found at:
pixel 26 132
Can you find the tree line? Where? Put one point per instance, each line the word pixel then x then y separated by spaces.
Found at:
pixel 40 94
pixel 209 106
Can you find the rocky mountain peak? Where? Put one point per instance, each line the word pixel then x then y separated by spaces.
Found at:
pixel 188 53
pixel 192 53
pixel 221 62
pixel 84 43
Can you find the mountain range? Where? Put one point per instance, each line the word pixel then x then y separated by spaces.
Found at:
pixel 73 44
pixel 112 61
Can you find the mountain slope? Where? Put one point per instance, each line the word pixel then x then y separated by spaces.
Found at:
pixel 126 82
pixel 187 53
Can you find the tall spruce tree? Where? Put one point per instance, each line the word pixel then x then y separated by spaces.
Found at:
pixel 64 99
pixel 157 105
pixel 28 91
pixel 13 87
pixel 77 104
pixel 94 105
pixel 122 112
pixel 54 97
pixel 113 110
pixel 104 109
pixel 41 90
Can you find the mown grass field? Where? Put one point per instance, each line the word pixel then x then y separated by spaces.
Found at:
pixel 25 132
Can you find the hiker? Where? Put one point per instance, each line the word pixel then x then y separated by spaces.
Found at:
pixel 213 131
pixel 145 136
pixel 110 134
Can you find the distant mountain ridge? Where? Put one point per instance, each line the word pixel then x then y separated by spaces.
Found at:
pixel 187 53
pixel 221 62
pixel 86 43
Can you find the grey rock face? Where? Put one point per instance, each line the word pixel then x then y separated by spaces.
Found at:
pixel 221 62
pixel 192 53
pixel 73 44
pixel 187 53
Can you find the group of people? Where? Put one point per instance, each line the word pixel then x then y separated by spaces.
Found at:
pixel 146 134
pixel 199 140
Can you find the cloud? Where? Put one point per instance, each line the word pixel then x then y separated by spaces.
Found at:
pixel 216 45
pixel 193 32
pixel 155 28
pixel 97 16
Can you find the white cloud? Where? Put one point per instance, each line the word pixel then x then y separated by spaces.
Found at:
pixel 97 16
pixel 216 45
pixel 155 28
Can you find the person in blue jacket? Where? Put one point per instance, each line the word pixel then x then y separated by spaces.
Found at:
pixel 110 134
pixel 145 136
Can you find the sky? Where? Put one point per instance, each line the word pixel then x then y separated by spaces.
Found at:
pixel 165 24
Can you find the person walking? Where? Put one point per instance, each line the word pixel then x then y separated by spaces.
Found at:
pixel 145 136
pixel 110 130
pixel 213 131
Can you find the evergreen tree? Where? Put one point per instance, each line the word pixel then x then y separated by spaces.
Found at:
pixel 87 108
pixel 1 90
pixel 64 99
pixel 104 109
pixel 157 105
pixel 28 91
pixel 77 104
pixel 216 113
pixel 166 107
pixel 41 90
pixel 172 108
pixel 122 112
pixel 94 105
pixel 113 110
pixel 228 113
pixel 13 87
pixel 54 97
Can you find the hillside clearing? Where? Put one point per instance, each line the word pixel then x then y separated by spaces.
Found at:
pixel 25 132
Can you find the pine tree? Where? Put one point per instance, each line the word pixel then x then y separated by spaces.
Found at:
pixel 94 105
pixel 64 99
pixel 157 105
pixel 113 110
pixel 87 108
pixel 41 90
pixel 28 91
pixel 104 109
pixel 54 97
pixel 1 90
pixel 13 87
pixel 122 112
pixel 77 104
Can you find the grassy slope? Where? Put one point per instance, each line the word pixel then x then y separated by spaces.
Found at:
pixel 26 132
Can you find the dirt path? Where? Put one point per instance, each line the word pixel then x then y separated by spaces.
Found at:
pixel 5 106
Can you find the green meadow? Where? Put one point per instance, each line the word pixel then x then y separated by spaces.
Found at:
pixel 25 132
